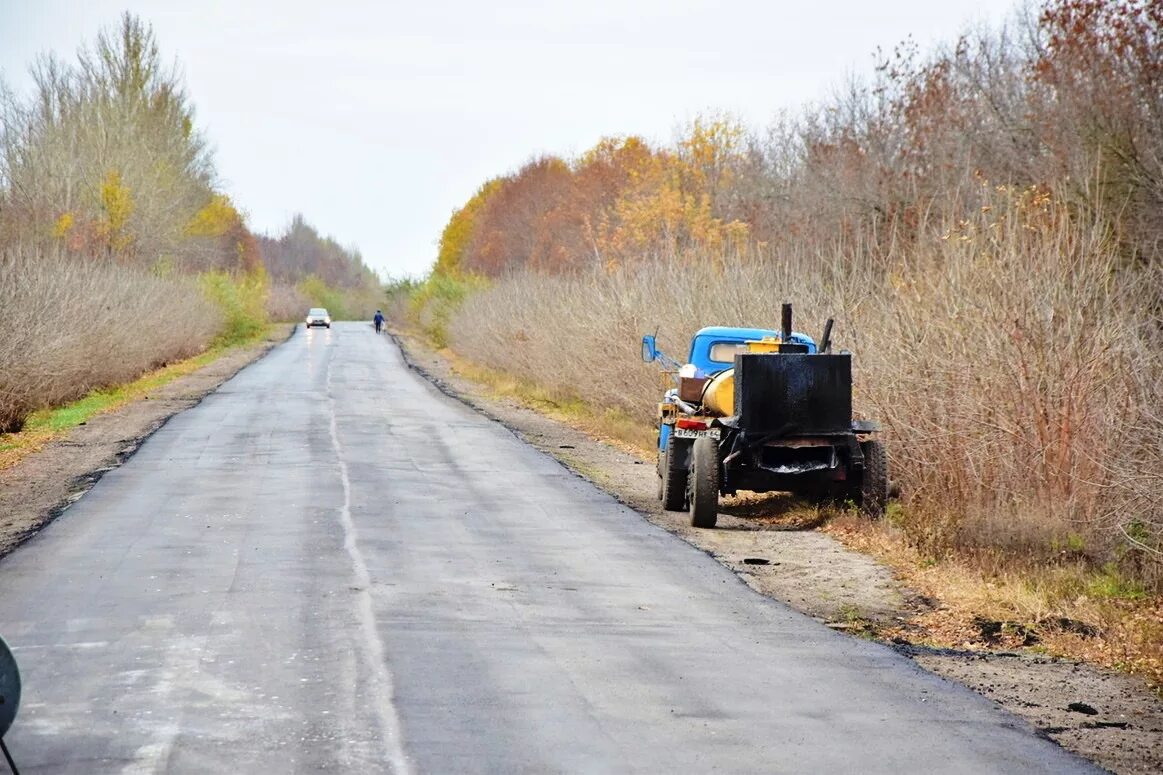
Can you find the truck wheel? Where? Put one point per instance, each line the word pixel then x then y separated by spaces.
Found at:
pixel 874 484
pixel 672 493
pixel 704 482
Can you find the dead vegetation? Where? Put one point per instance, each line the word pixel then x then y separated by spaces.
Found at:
pixel 70 327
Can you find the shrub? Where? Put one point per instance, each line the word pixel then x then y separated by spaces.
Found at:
pixel 71 327
pixel 433 303
pixel 286 303
pixel 242 300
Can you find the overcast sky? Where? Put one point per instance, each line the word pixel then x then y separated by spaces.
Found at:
pixel 377 119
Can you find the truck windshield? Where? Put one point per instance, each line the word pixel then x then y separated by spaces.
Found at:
pixel 724 352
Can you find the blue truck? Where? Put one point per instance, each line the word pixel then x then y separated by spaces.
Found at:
pixel 763 410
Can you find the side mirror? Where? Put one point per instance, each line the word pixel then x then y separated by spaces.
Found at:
pixel 649 349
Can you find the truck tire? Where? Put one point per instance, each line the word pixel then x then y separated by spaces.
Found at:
pixel 874 483
pixel 704 482
pixel 672 493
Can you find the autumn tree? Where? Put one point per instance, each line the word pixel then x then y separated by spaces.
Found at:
pixel 510 230
pixel 105 160
pixel 457 234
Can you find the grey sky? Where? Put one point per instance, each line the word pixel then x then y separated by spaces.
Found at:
pixel 377 119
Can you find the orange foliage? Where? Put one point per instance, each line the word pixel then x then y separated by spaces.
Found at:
pixel 620 201
pixel 457 234
pixel 1077 113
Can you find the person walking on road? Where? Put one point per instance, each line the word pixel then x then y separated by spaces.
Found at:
pixel 378 320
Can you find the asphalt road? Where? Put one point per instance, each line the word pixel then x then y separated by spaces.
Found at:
pixel 330 566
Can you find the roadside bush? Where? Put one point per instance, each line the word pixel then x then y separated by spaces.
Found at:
pixel 433 303
pixel 73 326
pixel 242 300
pixel 286 303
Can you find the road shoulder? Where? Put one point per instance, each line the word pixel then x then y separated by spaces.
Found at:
pixel 43 484
pixel 1107 717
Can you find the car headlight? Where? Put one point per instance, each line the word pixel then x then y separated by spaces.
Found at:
pixel 326 320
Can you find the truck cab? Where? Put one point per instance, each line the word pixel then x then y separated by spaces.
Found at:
pixel 763 410
pixel 713 350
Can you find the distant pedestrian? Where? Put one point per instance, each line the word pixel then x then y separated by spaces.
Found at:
pixel 379 320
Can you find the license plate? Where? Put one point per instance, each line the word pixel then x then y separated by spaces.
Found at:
pixel 687 433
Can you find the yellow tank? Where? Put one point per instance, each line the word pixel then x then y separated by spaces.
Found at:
pixel 719 394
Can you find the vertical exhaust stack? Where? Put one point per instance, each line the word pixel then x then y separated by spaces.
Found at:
pixel 785 333
pixel 826 340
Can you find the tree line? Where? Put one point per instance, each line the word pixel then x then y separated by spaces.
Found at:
pixel 1067 99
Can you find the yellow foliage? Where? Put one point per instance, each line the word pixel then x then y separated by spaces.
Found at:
pixel 614 151
pixel 217 218
pixel 669 203
pixel 117 206
pixel 709 149
pixel 458 232
pixel 63 225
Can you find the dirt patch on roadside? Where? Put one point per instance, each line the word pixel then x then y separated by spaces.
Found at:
pixel 773 548
pixel 1109 718
pixel 41 486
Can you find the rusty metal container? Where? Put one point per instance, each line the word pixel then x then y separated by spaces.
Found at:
pixel 690 389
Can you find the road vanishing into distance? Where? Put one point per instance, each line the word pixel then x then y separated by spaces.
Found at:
pixel 328 565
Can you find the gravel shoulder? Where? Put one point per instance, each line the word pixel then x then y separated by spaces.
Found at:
pixel 1110 718
pixel 41 486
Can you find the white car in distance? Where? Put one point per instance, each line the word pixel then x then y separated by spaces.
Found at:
pixel 317 316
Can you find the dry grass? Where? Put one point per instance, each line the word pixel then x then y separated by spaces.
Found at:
pixel 1066 608
pixel 75 326
pixel 46 425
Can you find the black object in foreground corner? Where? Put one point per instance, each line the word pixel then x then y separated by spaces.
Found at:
pixel 9 698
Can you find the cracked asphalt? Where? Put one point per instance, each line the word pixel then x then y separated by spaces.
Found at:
pixel 328 565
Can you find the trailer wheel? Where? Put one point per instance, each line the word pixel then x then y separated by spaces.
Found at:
pixel 704 482
pixel 672 491
pixel 874 483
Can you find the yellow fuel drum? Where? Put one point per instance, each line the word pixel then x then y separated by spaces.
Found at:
pixel 719 394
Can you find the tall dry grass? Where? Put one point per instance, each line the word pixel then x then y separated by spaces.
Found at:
pixel 1011 356
pixel 72 326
